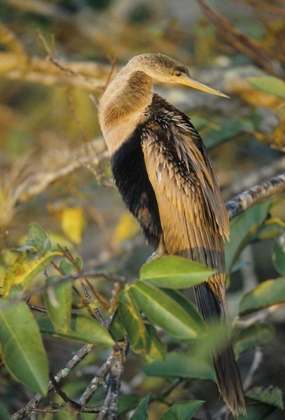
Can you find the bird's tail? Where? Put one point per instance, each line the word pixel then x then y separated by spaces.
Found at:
pixel 227 371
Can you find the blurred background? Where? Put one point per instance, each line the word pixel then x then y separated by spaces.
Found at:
pixel 57 56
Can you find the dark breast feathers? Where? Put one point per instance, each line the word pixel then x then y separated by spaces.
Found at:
pixel 167 182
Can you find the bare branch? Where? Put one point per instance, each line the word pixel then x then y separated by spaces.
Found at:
pixel 84 75
pixel 92 153
pixel 255 195
pixel 255 177
pixel 12 43
pixel 241 42
pixel 63 373
pixel 109 408
pixel 96 381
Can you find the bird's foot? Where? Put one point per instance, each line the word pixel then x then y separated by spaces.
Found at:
pixel 160 252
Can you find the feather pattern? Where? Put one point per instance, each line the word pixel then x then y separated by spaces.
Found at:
pixel 185 187
pixel 162 170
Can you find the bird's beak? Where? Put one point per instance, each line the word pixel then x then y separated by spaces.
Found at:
pixel 189 81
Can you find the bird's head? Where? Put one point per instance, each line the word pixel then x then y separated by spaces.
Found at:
pixel 165 69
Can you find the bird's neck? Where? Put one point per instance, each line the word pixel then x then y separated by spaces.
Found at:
pixel 122 106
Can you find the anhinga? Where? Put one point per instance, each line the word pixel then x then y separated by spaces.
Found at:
pixel 163 172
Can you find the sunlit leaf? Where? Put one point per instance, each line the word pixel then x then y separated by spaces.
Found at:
pixel 252 336
pixel 271 227
pixel 174 272
pixel 22 348
pixel 25 269
pixel 82 328
pixel 278 255
pixel 179 365
pixel 132 320
pixel 267 394
pixel 141 410
pixel 58 301
pixel 73 223
pixel 126 229
pixel 183 410
pixel 268 293
pixel 242 229
pixel 164 311
pixel 269 84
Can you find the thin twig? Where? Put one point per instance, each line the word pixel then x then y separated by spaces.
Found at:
pixel 96 382
pixel 62 394
pixel 257 360
pixel 63 373
pixel 241 42
pixel 68 277
pixel 36 183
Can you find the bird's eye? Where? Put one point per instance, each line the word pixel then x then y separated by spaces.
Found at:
pixel 177 73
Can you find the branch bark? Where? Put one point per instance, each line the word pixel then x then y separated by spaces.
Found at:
pixel 256 194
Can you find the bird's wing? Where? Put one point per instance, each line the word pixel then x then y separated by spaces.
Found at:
pixel 191 209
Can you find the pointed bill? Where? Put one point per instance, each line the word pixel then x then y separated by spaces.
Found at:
pixel 189 81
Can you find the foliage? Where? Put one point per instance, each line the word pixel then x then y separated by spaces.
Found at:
pixel 72 301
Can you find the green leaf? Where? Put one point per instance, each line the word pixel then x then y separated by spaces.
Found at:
pixel 82 328
pixel 269 84
pixel 22 348
pixel 267 394
pixel 37 241
pixel 278 255
pixel 187 305
pixel 141 411
pixel 128 402
pixel 179 365
pixel 4 414
pixel 255 335
pixel 258 412
pixel 266 294
pixel 156 349
pixel 243 228
pixel 174 272
pixel 25 269
pixel 183 410
pixel 164 311
pixel 65 266
pixel 58 301
pixel 133 323
pixel 226 131
pixel 117 328
pixel 271 228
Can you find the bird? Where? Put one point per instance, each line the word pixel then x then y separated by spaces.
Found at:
pixel 163 172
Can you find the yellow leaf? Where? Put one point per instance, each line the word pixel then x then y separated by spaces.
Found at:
pixel 73 223
pixel 24 269
pixel 126 229
pixel 279 135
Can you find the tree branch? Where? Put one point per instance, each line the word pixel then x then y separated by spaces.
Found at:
pixel 255 195
pixel 63 373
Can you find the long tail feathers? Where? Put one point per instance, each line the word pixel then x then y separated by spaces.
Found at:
pixel 227 371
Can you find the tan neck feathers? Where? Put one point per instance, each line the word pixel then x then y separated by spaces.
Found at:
pixel 122 105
